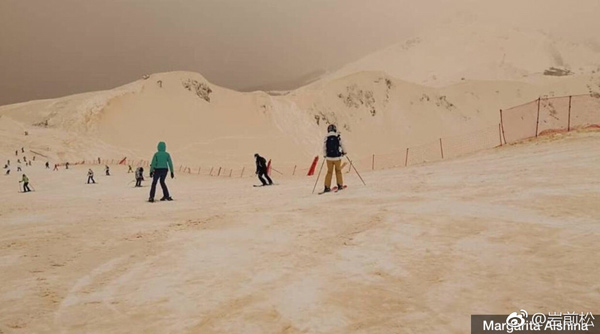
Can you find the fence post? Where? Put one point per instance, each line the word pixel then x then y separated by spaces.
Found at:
pixel 441 148
pixel 537 122
pixel 373 162
pixel 230 172
pixel 294 172
pixel 406 159
pixel 219 173
pixel 500 133
pixel 242 174
pixel 502 126
pixel 569 123
pixel 211 170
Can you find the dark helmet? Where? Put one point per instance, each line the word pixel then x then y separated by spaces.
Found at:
pixel 141 169
pixel 331 128
pixel 256 155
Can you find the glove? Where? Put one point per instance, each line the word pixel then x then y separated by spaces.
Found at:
pixel 172 175
pixel 151 174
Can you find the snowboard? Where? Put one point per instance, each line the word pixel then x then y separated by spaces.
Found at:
pixel 266 185
pixel 333 190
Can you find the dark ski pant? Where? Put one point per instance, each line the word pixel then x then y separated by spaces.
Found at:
pixel 159 174
pixel 91 178
pixel 138 182
pixel 26 187
pixel 261 173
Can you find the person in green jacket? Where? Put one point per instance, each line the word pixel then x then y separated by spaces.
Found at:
pixel 159 167
pixel 25 181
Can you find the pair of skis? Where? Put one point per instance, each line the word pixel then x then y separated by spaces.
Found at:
pixel 333 190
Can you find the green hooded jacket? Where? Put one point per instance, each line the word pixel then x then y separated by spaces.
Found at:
pixel 161 159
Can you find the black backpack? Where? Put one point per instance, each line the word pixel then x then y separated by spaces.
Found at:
pixel 333 146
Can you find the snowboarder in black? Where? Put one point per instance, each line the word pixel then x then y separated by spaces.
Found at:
pixel 139 176
pixel 333 150
pixel 261 170
pixel 90 176
pixel 107 170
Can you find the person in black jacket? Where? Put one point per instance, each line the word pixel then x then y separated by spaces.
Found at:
pixel 261 170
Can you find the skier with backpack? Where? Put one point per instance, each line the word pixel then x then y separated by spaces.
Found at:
pixel 262 170
pixel 139 176
pixel 333 151
pixel 159 167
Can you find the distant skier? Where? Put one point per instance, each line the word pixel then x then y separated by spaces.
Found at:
pixel 90 176
pixel 139 176
pixel 333 151
pixel 159 167
pixel 25 181
pixel 67 165
pixel 99 161
pixel 107 170
pixel 47 165
pixel 130 170
pixel 34 158
pixel 19 167
pixel 17 153
pixel 22 150
pixel 7 167
pixel 55 167
pixel 262 170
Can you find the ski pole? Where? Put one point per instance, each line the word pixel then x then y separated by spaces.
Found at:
pixel 276 170
pixel 357 173
pixel 318 176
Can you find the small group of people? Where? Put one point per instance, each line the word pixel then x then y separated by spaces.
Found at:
pixel 162 164
pixel 333 151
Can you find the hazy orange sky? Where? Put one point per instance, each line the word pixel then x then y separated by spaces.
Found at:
pixel 55 48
